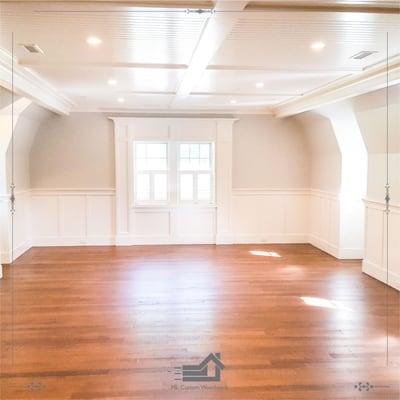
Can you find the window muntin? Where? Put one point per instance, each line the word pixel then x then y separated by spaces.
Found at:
pixel 195 157
pixel 173 172
pixel 195 170
pixel 151 173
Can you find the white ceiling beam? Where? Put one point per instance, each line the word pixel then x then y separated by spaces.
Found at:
pixel 29 85
pixel 217 27
pixel 73 64
pixel 284 69
pixel 370 79
pixel 217 94
pixel 214 67
pixel 252 94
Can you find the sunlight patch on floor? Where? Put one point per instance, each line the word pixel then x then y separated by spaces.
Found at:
pixel 324 303
pixel 264 253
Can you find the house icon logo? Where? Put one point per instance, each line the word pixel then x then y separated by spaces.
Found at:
pixel 209 370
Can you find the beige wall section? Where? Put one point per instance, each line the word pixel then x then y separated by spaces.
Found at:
pixel 269 153
pixel 325 156
pixel 75 151
pixel 372 114
pixel 24 135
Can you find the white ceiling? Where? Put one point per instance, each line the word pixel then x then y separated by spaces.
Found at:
pixel 218 58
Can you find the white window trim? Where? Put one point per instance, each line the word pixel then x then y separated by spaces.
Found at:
pixel 195 173
pixel 134 173
pixel 173 174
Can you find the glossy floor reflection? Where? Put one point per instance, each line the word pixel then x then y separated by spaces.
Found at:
pixel 112 323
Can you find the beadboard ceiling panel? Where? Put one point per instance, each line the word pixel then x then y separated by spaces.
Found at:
pixel 163 55
pixel 129 35
pixel 282 40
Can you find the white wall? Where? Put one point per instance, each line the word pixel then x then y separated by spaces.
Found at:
pixel 325 181
pixel 270 181
pixel 173 223
pixel 371 112
pixel 73 181
pixel 27 119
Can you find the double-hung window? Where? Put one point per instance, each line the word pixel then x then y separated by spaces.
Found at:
pixel 173 173
pixel 196 172
pixel 151 173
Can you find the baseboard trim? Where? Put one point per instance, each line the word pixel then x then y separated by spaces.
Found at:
pixel 6 257
pixel 378 272
pixel 270 238
pixel 134 240
pixel 73 241
pixel 351 254
pixel 324 245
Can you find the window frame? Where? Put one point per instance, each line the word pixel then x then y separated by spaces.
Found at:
pixel 195 173
pixel 173 175
pixel 136 172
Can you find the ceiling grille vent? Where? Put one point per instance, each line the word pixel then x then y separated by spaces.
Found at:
pixel 32 48
pixel 362 54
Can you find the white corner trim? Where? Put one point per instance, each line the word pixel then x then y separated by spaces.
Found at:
pixel 372 78
pixel 31 86
pixel 6 257
pixel 379 273
pixel 323 245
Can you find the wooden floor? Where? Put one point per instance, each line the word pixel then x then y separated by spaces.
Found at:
pixel 113 323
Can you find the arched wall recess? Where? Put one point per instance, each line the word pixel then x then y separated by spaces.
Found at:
pixel 8 122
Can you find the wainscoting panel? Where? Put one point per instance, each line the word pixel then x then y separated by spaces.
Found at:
pixel 72 213
pixel 173 225
pixel 270 216
pixel 72 217
pixel 324 221
pixel 22 225
pixel 376 263
pixel 151 223
pixel 194 227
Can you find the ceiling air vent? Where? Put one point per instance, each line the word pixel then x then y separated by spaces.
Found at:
pixel 32 48
pixel 362 54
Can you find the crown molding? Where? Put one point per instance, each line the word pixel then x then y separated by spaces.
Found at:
pixel 391 7
pixel 372 78
pixel 175 112
pixel 29 85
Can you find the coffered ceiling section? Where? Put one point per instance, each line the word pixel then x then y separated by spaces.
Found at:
pixel 167 56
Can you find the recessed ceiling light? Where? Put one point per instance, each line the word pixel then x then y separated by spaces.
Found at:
pixel 112 82
pixel 317 46
pixel 233 101
pixel 94 40
pixel 120 99
pixel 260 84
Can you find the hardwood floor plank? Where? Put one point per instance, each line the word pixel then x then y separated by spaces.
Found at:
pixel 290 321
